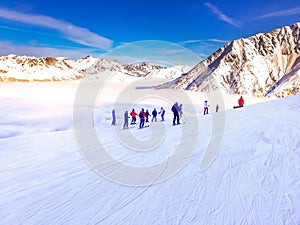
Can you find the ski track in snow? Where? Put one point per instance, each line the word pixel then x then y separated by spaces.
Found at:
pixel 255 178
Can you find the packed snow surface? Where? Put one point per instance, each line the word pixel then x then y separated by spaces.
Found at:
pixel 44 179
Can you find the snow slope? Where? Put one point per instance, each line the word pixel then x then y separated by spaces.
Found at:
pixel 255 178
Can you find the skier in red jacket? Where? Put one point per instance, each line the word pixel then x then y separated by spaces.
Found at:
pixel 142 116
pixel 133 114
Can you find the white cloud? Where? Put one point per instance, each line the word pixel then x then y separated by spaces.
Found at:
pixel 72 32
pixel 222 16
pixel 190 41
pixel 204 41
pixel 218 40
pixel 7 48
pixel 202 55
pixel 287 12
pixel 166 51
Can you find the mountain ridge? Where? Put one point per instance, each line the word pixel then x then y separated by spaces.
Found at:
pixel 255 65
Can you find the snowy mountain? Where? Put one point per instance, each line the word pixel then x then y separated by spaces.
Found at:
pixel 261 64
pixel 103 65
pixel 24 68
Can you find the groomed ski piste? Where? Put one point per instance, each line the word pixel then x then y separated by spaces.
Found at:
pixel 44 178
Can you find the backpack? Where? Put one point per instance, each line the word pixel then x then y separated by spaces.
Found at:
pixel 141 115
pixel 173 109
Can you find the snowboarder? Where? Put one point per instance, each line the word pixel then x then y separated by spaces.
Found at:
pixel 162 112
pixel 147 116
pixel 240 102
pixel 133 114
pixel 126 119
pixel 142 116
pixel 154 114
pixel 175 110
pixel 113 117
pixel 217 108
pixel 205 107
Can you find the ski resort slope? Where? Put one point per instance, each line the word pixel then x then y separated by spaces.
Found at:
pixel 254 179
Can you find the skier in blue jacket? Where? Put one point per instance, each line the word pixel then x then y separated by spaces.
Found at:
pixel 162 112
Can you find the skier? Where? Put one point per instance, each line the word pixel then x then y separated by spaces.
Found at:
pixel 205 107
pixel 180 111
pixel 113 117
pixel 126 120
pixel 162 112
pixel 133 114
pixel 175 110
pixel 147 116
pixel 217 108
pixel 154 114
pixel 240 102
pixel 142 116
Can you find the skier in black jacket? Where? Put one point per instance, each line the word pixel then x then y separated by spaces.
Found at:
pixel 113 114
pixel 175 109
pixel 154 115
pixel 147 116
pixel 126 120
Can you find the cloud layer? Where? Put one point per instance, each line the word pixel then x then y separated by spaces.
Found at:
pixel 71 32
pixel 7 48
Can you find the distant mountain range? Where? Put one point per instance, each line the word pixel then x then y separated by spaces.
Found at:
pixel 14 68
pixel 24 68
pixel 262 65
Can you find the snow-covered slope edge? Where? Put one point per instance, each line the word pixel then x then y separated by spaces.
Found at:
pixel 251 65
pixel 254 179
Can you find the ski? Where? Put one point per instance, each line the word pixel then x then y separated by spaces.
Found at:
pixel 144 127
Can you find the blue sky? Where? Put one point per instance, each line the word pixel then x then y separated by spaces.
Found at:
pixel 79 28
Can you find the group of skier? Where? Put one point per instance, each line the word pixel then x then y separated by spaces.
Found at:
pixel 143 116
pixel 176 109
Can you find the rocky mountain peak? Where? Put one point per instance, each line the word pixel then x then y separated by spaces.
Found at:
pixel 257 65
